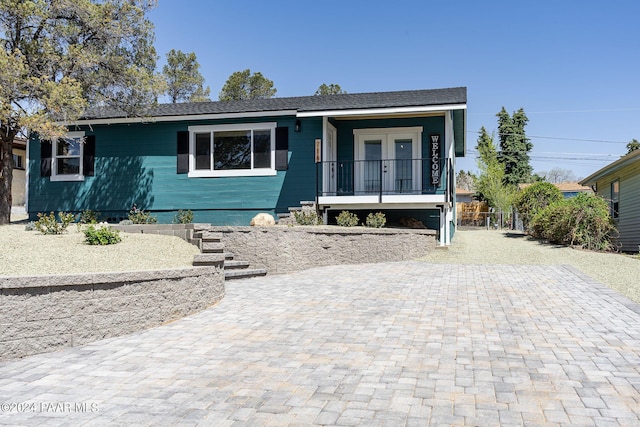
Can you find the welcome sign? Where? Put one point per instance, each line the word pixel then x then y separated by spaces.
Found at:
pixel 435 158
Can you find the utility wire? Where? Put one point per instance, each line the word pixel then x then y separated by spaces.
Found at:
pixel 556 138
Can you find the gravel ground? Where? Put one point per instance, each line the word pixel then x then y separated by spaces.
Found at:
pixel 32 253
pixel 618 271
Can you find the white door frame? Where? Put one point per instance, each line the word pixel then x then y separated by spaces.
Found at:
pixel 329 159
pixel 387 136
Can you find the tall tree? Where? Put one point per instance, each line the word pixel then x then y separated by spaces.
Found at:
pixel 331 89
pixel 490 184
pixel 244 85
pixel 183 78
pixel 633 146
pixel 58 56
pixel 514 146
pixel 465 180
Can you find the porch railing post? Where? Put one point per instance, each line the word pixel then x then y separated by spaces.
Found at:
pixel 381 182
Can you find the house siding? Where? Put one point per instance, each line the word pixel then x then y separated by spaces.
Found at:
pixel 136 163
pixel 628 223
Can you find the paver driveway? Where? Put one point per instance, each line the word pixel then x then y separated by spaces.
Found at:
pixel 386 344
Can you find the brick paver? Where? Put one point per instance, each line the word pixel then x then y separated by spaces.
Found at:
pixel 385 344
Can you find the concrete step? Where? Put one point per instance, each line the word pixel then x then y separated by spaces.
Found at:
pixel 244 273
pixel 229 255
pixel 230 264
pixel 208 260
pixel 212 247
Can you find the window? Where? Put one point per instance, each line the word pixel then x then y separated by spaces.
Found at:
pixel 17 162
pixel 615 198
pixel 232 150
pixel 66 158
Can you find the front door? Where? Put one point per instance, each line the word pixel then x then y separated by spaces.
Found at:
pixel 387 161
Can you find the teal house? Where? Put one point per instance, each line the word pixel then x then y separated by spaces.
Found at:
pixel 227 161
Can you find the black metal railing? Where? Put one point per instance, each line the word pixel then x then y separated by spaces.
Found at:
pixel 383 177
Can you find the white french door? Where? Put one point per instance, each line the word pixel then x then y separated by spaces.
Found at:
pixel 387 161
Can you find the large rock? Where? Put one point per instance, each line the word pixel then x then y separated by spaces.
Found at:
pixel 263 220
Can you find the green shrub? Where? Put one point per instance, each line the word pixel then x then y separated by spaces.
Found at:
pixel 101 236
pixel 307 217
pixel 126 222
pixel 47 224
pixel 535 198
pixel 582 221
pixel 88 216
pixel 183 217
pixel 347 219
pixel 30 226
pixel 139 216
pixel 376 220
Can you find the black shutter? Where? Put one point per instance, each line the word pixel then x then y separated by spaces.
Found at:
pixel 45 158
pixel 183 152
pixel 89 155
pixel 282 148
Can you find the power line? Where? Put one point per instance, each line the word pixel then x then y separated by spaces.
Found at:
pixel 608 110
pixel 556 138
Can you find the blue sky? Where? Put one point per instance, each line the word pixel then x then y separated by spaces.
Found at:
pixel 573 66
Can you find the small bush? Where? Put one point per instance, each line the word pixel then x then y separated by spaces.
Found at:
pixel 307 217
pixel 347 219
pixel 376 220
pixel 582 221
pixel 126 222
pixel 88 216
pixel 535 198
pixel 101 236
pixel 139 216
pixel 47 224
pixel 30 226
pixel 183 217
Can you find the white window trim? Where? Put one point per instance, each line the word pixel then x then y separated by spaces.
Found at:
pixel 54 159
pixel 193 173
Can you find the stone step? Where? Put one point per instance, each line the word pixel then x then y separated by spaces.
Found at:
pixel 229 255
pixel 212 247
pixel 208 236
pixel 245 273
pixel 230 264
pixel 214 259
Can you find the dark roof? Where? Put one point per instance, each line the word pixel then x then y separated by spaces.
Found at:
pixel 347 101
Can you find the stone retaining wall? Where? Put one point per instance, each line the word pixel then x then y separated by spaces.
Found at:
pixel 286 249
pixel 184 231
pixel 46 313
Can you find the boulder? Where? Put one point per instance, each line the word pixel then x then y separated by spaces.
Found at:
pixel 263 220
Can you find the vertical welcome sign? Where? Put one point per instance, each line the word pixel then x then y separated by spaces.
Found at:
pixel 434 143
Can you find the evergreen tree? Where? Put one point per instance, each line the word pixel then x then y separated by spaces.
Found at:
pixel 331 89
pixel 633 146
pixel 514 146
pixel 244 85
pixel 183 78
pixel 58 57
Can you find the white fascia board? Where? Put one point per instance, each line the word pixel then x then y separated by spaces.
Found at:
pixel 392 110
pixel 192 117
pixel 611 168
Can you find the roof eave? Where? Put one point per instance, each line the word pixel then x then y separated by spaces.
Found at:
pixel 382 110
pixel 611 168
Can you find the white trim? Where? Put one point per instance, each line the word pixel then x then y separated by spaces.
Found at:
pixel 212 129
pixel 157 119
pixel 413 198
pixel 379 131
pixel 54 159
pixel 430 201
pixel 389 110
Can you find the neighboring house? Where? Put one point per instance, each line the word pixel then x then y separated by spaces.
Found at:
pixel 619 184
pixel 227 161
pixel 464 196
pixel 572 189
pixel 568 189
pixel 18 184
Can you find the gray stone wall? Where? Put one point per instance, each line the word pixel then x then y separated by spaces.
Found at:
pixel 46 313
pixel 286 249
pixel 184 231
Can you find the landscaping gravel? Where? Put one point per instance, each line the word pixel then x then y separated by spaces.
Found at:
pixel 620 272
pixel 32 253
